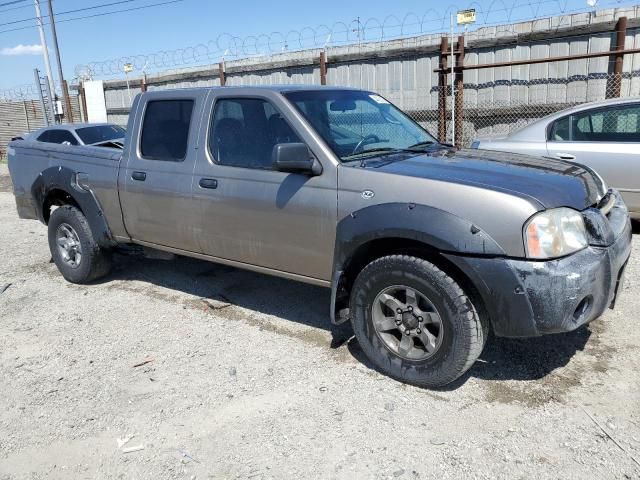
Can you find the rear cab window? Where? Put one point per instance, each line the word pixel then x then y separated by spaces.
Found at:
pixel 165 130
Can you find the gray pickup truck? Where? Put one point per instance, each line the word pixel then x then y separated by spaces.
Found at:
pixel 425 247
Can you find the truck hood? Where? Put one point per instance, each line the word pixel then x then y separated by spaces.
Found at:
pixel 552 183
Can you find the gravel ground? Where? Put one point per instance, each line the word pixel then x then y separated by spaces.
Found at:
pixel 256 383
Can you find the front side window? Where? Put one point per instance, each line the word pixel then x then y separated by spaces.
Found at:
pixel 356 123
pixel 165 130
pixel 243 132
pixel 100 133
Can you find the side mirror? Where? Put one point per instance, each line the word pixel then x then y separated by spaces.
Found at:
pixel 295 158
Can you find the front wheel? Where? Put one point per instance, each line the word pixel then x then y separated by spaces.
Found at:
pixel 414 322
pixel 75 252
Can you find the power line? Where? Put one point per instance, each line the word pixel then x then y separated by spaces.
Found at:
pixel 99 14
pixel 93 7
pixel 29 5
pixel 5 4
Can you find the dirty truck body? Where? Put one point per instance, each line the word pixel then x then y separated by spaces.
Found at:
pixel 425 247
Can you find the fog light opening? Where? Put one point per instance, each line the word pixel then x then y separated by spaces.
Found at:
pixel 583 308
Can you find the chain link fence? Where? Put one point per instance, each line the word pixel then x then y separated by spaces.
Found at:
pixel 499 113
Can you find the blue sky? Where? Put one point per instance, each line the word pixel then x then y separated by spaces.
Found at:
pixel 191 22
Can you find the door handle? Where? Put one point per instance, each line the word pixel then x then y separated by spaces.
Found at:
pixel 565 156
pixel 208 183
pixel 140 176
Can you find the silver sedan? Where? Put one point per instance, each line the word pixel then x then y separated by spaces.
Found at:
pixel 602 135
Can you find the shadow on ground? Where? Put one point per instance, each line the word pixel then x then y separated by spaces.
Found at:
pixel 502 359
pixel 514 359
pixel 289 300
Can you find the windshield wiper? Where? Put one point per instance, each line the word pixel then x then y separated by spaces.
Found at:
pixel 421 144
pixel 375 151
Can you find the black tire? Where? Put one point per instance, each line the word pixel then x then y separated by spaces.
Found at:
pixel 94 263
pixel 464 332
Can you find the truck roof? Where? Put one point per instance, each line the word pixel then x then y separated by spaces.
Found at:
pixel 275 88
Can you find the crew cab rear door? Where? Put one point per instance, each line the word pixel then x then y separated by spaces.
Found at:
pixel 156 183
pixel 251 213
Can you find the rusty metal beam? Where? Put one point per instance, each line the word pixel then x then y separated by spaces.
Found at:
pixel 223 78
pixel 579 56
pixel 67 101
pixel 614 88
pixel 323 68
pixel 459 93
pixel 83 102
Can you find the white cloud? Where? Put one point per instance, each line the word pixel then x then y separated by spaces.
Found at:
pixel 35 49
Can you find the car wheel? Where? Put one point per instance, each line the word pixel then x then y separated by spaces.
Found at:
pixel 75 252
pixel 414 322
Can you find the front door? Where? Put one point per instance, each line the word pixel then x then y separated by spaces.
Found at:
pixel 251 213
pixel 606 139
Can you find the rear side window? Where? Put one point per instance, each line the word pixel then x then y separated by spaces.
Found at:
pixel 614 124
pixel 560 130
pixel 165 130
pixel 244 131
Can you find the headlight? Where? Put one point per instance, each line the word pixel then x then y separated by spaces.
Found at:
pixel 554 233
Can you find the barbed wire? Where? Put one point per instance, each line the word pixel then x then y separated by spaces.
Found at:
pixel 26 91
pixel 356 31
pixel 364 33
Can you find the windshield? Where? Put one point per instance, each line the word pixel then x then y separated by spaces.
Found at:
pixel 357 124
pixel 100 133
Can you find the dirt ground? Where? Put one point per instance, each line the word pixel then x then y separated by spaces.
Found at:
pixel 255 383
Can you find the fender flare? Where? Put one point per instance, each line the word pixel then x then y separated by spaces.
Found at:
pixel 441 230
pixel 65 179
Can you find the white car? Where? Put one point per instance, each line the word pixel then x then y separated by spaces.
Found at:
pixel 604 136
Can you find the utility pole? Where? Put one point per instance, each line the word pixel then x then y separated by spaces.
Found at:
pixel 65 92
pixel 43 42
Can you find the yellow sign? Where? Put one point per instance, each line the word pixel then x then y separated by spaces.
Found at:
pixel 128 67
pixel 466 16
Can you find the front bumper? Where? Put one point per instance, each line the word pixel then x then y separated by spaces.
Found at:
pixel 530 298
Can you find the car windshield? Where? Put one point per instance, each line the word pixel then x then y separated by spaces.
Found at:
pixel 357 124
pixel 100 133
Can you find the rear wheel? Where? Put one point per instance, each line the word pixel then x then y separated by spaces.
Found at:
pixel 75 252
pixel 414 322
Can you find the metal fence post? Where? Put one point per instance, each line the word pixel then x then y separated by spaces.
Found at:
pixel 459 93
pixel 221 74
pixel 615 87
pixel 83 102
pixel 26 115
pixel 442 91
pixel 323 68
pixel 67 100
